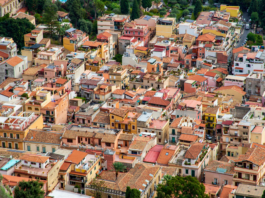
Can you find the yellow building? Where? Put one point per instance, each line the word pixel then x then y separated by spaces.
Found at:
pixel 142 50
pixel 32 38
pixel 258 135
pixel 165 27
pixel 186 39
pixel 119 76
pixel 94 64
pixel 123 119
pixel 38 101
pixel 235 91
pixel 210 117
pixel 101 49
pixel 74 39
pixel 16 127
pixel 214 31
pixel 233 10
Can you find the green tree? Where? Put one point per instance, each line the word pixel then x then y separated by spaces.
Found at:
pixel 118 58
pixel 16 29
pixel 132 193
pixel 198 8
pixel 61 31
pixel 259 40
pixel 157 2
pixel 181 187
pixel 75 12
pixel 135 10
pixel 99 6
pixel 185 12
pixel 124 5
pixel 119 167
pixel 4 193
pixel 251 37
pixel 163 11
pixel 85 25
pixel 30 189
pixel 128 192
pixel 211 2
pixel 38 18
pixel 31 5
pixel 263 195
pixel 255 18
pixel 50 16
pixel 40 5
pixel 146 3
pixel 254 7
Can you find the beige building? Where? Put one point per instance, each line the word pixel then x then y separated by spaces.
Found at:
pixel 32 38
pixel 119 76
pixel 9 6
pixel 136 178
pixel 42 141
pixel 22 15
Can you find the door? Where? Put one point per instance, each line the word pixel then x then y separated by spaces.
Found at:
pixel 99 142
pixel 193 173
pixel 16 146
pixel 239 175
pixel 43 149
pixel 3 144
pixel 9 145
pixel 173 139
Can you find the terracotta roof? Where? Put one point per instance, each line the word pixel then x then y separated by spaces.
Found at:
pixel 239 49
pixel 142 48
pixel 211 189
pixel 119 112
pixel 212 110
pixel 227 189
pixel 166 154
pixel 219 79
pixel 43 137
pixel 233 87
pixel 126 137
pixel 159 101
pixel 175 123
pixel 34 158
pixel 211 74
pixel 206 37
pixel 4 55
pixel 14 61
pixel 76 157
pixel 102 117
pixel 139 143
pixel 6 93
pixel 197 78
pixel 32 70
pixel 12 181
pixel 202 71
pixel 92 43
pixel 215 165
pixel 61 81
pixel 62 14
pixel 255 155
pixel 130 93
pixel 118 92
pixel 153 154
pixel 104 34
pixel 189 138
pixel 194 150
pixel 65 166
pixel 22 15
pixel 150 93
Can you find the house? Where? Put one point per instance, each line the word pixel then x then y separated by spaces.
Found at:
pixel 235 91
pixel 119 76
pixel 112 22
pixel 42 141
pixel 8 48
pixel 165 27
pixel 228 190
pixel 211 78
pixel 158 102
pixel 210 117
pixel 22 15
pixel 62 15
pixel 166 154
pixel 207 38
pixel 99 48
pixel 196 159
pixel 32 38
pixel 233 10
pixel 49 56
pixel 219 173
pixel 73 39
pixel 13 67
pixel 153 154
pixel 187 140
pixel 188 28
pixel 201 81
pixel 244 190
pixel 149 21
pixel 31 73
pixel 204 19
pixel 135 178
pixel 10 6
pixel 186 39
pixel 232 80
pixel 239 50
pixel 40 167
pixel 106 37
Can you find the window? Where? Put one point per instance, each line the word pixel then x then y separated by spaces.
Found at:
pixel 44 149
pixel 159 140
pixel 226 182
pixel 33 163
pixel 6 72
pixel 17 136
pixel 11 135
pixel 5 135
pixel 108 144
pixel 36 109
pixel 16 145
pixel 53 150
pixel 159 133
pixel 133 127
pixel 70 140
pixel 38 148
pixel 173 132
pixel 95 168
pixel 112 124
pixel 9 145
pixel 187 171
pixel 166 153
pixel 28 148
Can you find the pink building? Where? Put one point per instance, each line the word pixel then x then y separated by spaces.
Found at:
pixel 139 32
pixel 219 173
pixel 211 78
pixel 232 80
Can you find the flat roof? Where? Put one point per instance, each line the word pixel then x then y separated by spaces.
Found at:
pixel 235 77
pixel 66 194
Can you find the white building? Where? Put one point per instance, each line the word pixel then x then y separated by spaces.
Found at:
pixel 247 63
pixel 188 28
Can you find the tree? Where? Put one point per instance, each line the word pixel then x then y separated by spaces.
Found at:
pixel 61 31
pixel 163 11
pixel 119 167
pixel 146 3
pixel 254 7
pixel 124 5
pixel 185 12
pixel 198 8
pixel 255 18
pixel 98 187
pixel 75 12
pixel 50 16
pixel 251 37
pixel 95 27
pixel 157 2
pixel 181 187
pixel 85 26
pixel 40 5
pixel 30 189
pixel 118 58
pixel 135 10
pixel 31 5
pixel 4 193
pixel 263 195
pixel 132 193
pixel 16 29
pixel 98 6
pixel 211 2
pixel 259 40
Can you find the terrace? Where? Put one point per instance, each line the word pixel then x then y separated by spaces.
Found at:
pixel 42 172
pixel 18 121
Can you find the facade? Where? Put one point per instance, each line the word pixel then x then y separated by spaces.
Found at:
pixel 74 39
pixel 11 6
pixel 33 38
pixel 165 27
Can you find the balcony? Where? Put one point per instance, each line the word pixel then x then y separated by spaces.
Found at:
pixel 78 179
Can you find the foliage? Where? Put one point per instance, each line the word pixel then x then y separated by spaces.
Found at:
pixel 38 18
pixel 31 4
pixel 181 187
pixel 25 95
pixel 198 8
pixel 135 10
pixel 132 193
pixel 163 11
pixel 97 186
pixel 259 39
pixel 124 5
pixel 30 189
pixel 99 6
pixel 50 16
pixel 118 58
pixel 119 167
pixel 95 27
pixel 3 193
pixel 146 3
pixel 254 17
pixel 75 12
pixel 185 12
pixel 253 7
pixel 16 29
pixel 191 9
pixel 61 30
pixel 263 195
pixel 85 25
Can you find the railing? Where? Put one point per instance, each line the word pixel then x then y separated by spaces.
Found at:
pixel 152 194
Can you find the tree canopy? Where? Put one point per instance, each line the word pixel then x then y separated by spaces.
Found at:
pixel 16 28
pixel 181 187
pixel 146 3
pixel 30 189
pixel 132 193
pixel 75 12
pixel 124 6
pixel 197 9
pixel 50 16
pixel 135 10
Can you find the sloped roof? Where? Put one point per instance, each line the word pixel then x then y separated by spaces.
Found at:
pixel 194 150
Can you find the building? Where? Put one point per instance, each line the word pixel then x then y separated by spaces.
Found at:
pixel 42 141
pixel 112 22
pixel 13 67
pixel 119 76
pixel 73 39
pixel 255 84
pixel 136 178
pixel 188 28
pixel 10 6
pixel 210 118
pixel 33 38
pixel 235 91
pixel 165 27
pixel 22 15
pixel 106 37
pixel 233 10
pixel 244 190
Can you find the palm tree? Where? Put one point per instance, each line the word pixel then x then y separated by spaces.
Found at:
pixel 119 167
